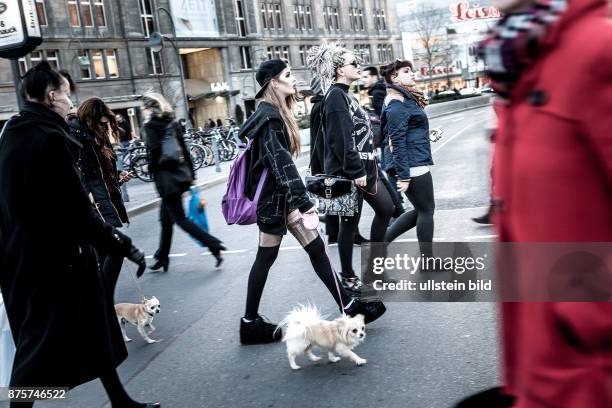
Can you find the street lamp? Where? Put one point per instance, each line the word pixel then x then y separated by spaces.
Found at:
pixel 156 43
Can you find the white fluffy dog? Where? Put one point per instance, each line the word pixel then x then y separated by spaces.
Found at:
pixel 305 328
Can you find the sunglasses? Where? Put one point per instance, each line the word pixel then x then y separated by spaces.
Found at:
pixel 354 63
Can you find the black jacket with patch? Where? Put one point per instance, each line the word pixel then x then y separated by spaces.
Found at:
pixel 284 189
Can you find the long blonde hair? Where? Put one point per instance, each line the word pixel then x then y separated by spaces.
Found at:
pixel 158 104
pixel 285 108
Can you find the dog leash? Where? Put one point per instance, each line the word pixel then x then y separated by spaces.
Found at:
pixel 142 296
pixel 331 264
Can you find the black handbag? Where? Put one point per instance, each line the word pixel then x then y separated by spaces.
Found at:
pixel 171 151
pixel 326 186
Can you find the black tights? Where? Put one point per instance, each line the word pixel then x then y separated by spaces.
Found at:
pixel 421 194
pixel 119 398
pixel 383 207
pixel 266 255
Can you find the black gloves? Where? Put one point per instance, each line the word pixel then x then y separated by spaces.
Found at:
pixel 133 254
pixel 138 257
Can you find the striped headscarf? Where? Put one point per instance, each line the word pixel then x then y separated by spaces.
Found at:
pixel 513 44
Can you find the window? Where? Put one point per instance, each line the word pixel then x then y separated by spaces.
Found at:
pixel 75 20
pixel 272 16
pixel 332 21
pixel 379 20
pixel 385 53
pixel 240 22
pixel 363 51
pixel 111 63
pixel 304 53
pixel 278 52
pixel 360 21
pixel 86 13
pixel 99 12
pixel 308 18
pixel 245 57
pixel 264 19
pixel 154 62
pixel 278 20
pixel 41 12
pixel 27 62
pixel 356 18
pixel 84 64
pixel 303 17
pixel 98 63
pixel 146 17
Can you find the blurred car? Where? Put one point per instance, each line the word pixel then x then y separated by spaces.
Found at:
pixel 470 92
pixel 486 89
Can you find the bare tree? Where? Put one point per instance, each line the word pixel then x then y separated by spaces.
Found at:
pixel 429 25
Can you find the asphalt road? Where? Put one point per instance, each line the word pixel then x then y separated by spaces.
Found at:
pixel 420 355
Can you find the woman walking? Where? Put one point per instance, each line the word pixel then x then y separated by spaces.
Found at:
pixel 97 163
pixel 349 151
pixel 62 319
pixel 283 201
pixel 406 129
pixel 172 179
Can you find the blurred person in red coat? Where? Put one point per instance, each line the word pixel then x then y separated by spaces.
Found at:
pixel 553 183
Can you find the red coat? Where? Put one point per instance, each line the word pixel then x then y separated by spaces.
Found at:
pixel 553 176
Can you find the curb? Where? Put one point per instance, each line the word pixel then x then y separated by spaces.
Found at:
pixel 223 178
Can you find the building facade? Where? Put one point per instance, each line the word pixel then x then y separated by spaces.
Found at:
pixel 104 45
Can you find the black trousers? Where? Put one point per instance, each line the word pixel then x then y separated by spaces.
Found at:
pixel 172 212
pixel 382 204
pixel 421 194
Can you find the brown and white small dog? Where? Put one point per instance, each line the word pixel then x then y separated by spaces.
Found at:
pixel 305 328
pixel 140 315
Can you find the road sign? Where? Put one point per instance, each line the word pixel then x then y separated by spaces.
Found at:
pixel 19 28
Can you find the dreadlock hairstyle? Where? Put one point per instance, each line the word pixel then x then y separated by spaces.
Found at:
pixel 324 60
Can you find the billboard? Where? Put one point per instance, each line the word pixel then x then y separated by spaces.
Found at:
pixel 19 29
pixel 194 18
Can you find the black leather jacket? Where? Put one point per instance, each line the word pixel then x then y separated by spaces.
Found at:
pixel 284 189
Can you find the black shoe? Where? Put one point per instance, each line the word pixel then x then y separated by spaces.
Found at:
pixel 332 240
pixel 370 310
pixel 484 220
pixel 356 288
pixel 152 405
pixel 160 264
pixel 359 239
pixel 259 331
pixel 352 285
pixel 219 259
pixel 491 398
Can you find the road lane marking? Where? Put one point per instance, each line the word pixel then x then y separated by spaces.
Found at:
pixel 289 248
pixel 237 251
pixel 169 256
pixel 481 236
pixel 457 134
pixel 460 118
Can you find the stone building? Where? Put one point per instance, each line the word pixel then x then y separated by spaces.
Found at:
pixel 104 44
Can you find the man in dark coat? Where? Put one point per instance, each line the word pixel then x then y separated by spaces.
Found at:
pixel 62 319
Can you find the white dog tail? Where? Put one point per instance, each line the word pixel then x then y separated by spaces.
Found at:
pixel 299 321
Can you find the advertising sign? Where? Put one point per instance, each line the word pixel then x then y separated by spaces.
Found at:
pixel 19 28
pixel 464 11
pixel 194 18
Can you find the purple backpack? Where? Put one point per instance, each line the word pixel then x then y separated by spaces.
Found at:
pixel 237 207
